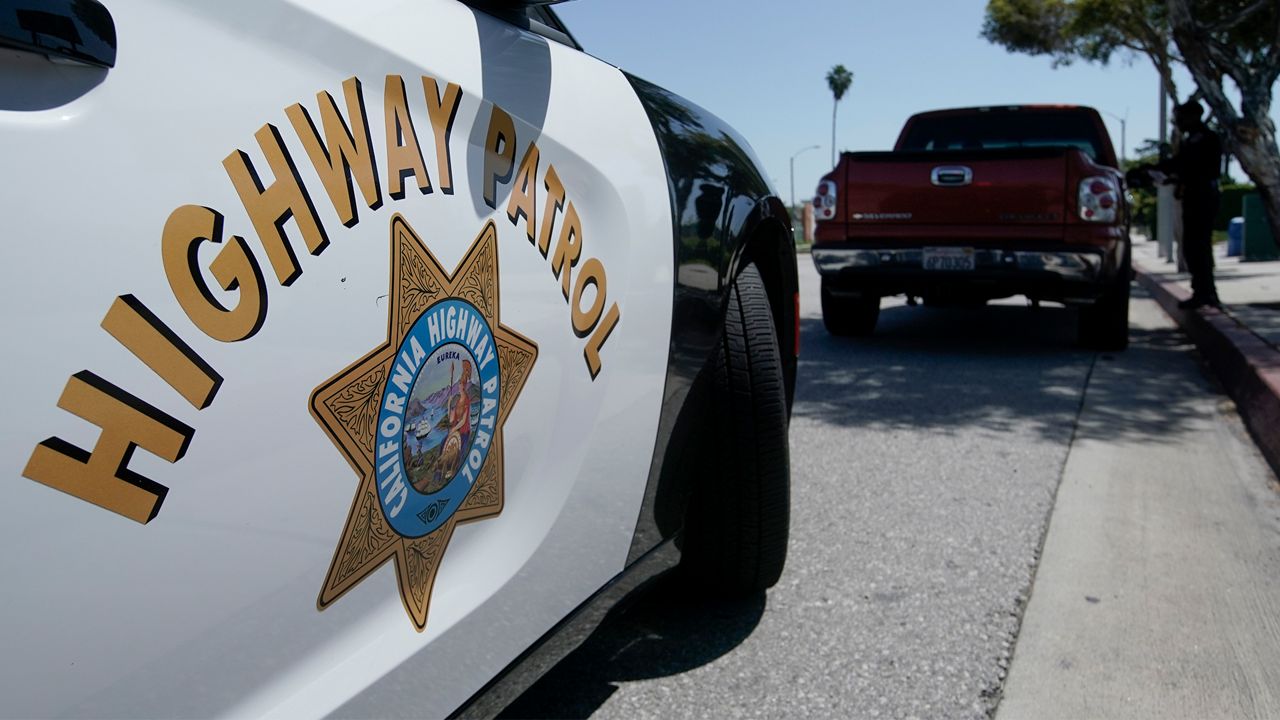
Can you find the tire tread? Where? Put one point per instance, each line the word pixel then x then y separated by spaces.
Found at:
pixel 739 520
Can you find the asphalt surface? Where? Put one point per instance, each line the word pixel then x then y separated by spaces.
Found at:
pixel 925 465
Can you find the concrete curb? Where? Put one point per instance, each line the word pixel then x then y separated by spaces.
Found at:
pixel 1246 366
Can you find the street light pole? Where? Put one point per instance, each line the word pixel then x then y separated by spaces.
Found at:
pixel 793 172
pixel 1123 122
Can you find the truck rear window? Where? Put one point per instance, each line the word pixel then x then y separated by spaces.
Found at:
pixel 1004 130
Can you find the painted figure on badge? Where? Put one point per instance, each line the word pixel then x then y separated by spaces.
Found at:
pixel 442 414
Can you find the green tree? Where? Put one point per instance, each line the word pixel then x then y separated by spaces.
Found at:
pixel 1143 210
pixel 1215 40
pixel 839 78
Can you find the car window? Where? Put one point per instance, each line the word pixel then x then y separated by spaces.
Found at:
pixel 544 21
pixel 1004 130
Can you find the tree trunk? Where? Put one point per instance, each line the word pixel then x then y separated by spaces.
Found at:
pixel 1250 134
pixel 834 106
pixel 1260 159
pixel 1165 69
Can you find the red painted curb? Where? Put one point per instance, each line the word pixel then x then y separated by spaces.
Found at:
pixel 1246 366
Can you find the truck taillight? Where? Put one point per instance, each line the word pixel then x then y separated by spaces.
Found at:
pixel 1099 198
pixel 824 202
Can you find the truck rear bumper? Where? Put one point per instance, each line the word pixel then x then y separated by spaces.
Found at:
pixel 1068 275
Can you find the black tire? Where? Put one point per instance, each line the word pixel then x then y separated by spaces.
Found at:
pixel 849 316
pixel 735 539
pixel 1105 324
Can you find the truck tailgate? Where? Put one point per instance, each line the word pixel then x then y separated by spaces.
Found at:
pixel 1016 186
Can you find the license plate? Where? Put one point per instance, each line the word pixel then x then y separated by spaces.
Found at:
pixel 948 258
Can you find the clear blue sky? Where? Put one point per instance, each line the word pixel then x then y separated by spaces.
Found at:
pixel 761 66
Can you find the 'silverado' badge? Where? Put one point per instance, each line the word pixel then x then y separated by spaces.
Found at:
pixel 420 418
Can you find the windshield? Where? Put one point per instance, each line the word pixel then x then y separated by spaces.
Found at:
pixel 1004 130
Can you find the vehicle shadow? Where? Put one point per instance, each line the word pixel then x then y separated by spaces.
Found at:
pixel 932 368
pixel 661 629
pixel 947 369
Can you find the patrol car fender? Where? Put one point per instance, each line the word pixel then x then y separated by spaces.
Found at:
pixel 724 216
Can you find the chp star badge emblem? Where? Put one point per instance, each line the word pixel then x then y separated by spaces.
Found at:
pixel 420 417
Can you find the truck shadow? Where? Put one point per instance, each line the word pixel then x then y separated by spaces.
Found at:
pixel 999 367
pixel 660 630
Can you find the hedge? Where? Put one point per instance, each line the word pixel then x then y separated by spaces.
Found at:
pixel 1143 209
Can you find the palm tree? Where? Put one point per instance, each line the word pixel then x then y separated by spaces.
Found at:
pixel 838 79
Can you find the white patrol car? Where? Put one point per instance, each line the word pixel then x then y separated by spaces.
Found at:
pixel 360 355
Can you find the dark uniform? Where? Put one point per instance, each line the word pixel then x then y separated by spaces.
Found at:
pixel 1196 168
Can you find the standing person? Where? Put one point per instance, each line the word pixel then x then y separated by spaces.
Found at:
pixel 1196 168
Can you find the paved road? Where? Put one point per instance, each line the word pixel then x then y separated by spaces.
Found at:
pixel 925 462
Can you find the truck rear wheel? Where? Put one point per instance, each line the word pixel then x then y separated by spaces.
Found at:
pixel 1104 325
pixel 736 530
pixel 849 316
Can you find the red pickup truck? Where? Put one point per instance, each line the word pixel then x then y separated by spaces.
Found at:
pixel 976 204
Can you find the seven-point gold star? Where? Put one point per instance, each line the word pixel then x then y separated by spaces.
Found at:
pixel 347 407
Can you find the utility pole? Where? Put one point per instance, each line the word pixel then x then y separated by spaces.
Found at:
pixel 793 172
pixel 1123 122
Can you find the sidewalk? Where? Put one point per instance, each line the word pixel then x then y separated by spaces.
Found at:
pixel 1157 593
pixel 1241 342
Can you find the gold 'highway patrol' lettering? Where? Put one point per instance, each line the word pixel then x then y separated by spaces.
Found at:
pixel 147 337
pixel 234 267
pixel 270 207
pixel 345 150
pixel 342 154
pixel 594 323
pixel 102 476
pixel 442 109
pixel 404 154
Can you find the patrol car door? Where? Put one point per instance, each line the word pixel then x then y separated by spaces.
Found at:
pixel 336 337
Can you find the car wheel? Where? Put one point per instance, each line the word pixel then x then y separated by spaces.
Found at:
pixel 735 539
pixel 849 316
pixel 1105 324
